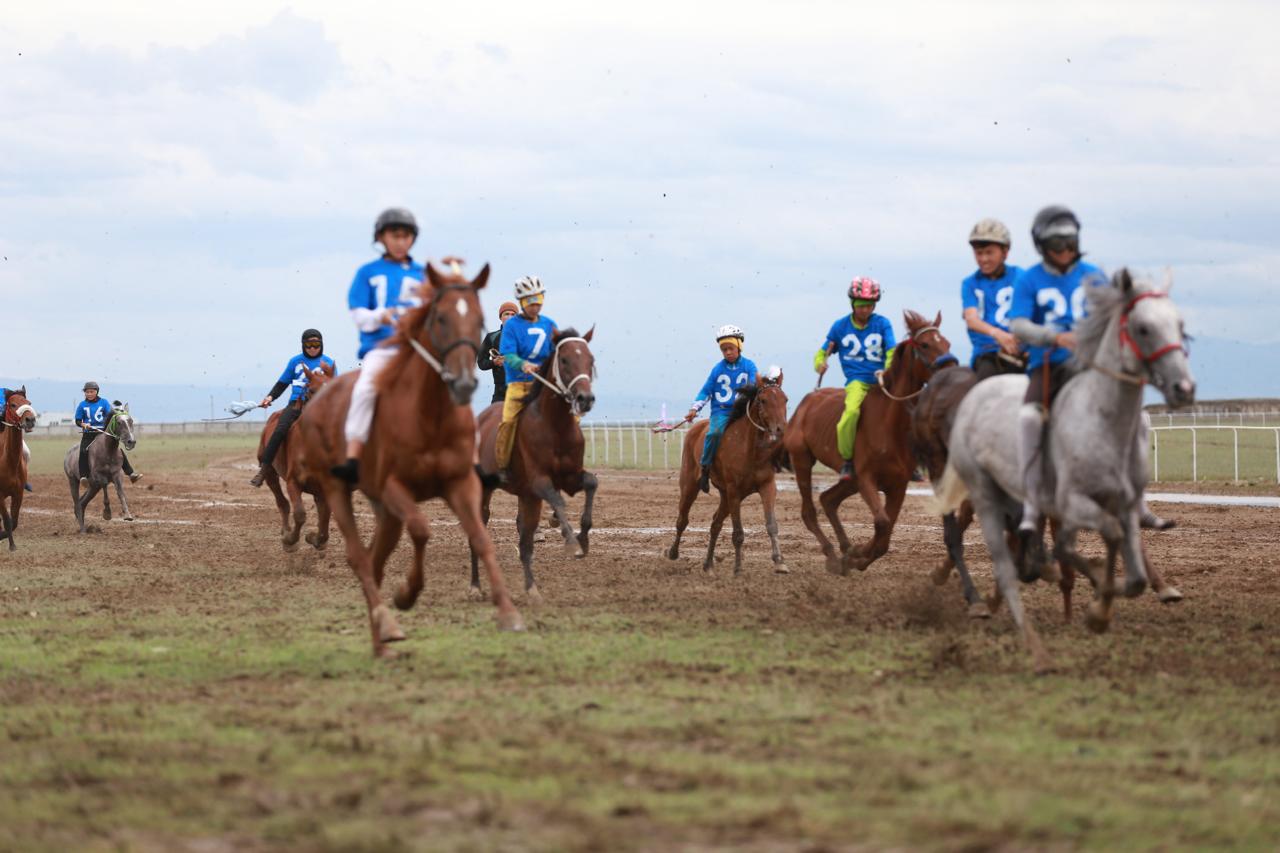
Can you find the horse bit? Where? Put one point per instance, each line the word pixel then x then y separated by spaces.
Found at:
pixel 565 391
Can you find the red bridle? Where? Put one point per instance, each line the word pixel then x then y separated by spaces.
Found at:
pixel 1127 340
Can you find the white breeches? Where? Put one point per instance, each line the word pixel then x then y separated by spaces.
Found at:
pixel 364 396
pixel 26 452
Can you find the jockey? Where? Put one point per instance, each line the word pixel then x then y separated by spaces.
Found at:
pixel 527 341
pixel 721 389
pixel 490 359
pixel 91 416
pixel 865 342
pixel 313 358
pixel 26 451
pixel 987 296
pixel 381 291
pixel 1048 300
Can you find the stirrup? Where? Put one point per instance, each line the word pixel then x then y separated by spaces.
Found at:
pixel 27 487
pixel 704 480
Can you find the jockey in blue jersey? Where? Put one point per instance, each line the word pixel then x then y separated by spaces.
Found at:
pixel 295 379
pixel 721 389
pixel 986 297
pixel 1048 300
pixel 528 340
pixel 865 342
pixel 92 414
pixel 381 291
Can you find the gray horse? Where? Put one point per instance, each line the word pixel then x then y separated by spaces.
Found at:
pixel 105 465
pixel 1094 470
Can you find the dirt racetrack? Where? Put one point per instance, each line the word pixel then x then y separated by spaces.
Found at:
pixel 180 681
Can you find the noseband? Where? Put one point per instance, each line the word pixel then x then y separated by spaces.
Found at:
pixel 1126 340
pixel 437 364
pixel 18 414
pixel 557 384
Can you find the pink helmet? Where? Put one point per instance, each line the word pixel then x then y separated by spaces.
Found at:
pixel 865 288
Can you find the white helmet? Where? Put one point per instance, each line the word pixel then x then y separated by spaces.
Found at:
pixel 730 331
pixel 529 285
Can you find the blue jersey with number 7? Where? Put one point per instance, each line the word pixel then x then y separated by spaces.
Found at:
pixel 528 340
pixel 1053 299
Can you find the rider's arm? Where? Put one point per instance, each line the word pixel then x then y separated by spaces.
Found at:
pixel 976 324
pixel 362 301
pixel 1033 333
pixel 508 348
pixel 277 389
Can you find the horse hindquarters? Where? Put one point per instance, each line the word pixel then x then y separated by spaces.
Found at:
pixel 688 488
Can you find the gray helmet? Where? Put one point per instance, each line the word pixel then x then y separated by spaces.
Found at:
pixel 394 216
pixel 91 386
pixel 1054 221
pixel 990 231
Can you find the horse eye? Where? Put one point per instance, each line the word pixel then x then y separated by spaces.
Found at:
pixel 1143 330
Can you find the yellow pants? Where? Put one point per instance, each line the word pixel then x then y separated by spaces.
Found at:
pixel 512 404
pixel 847 428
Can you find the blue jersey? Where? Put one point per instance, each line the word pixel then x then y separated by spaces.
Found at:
pixel 383 284
pixel 1057 300
pixel 721 387
pixel 296 377
pixel 862 351
pixel 528 340
pixel 93 416
pixel 992 297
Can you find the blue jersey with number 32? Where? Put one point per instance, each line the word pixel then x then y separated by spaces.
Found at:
pixel 1052 299
pixel 383 284
pixel 862 351
pixel 530 340
pixel 722 385
pixel 992 297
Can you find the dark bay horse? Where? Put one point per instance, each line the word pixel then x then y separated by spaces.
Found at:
pixel 547 456
pixel 19 418
pixel 743 466
pixel 106 465
pixel 280 471
pixel 882 455
pixel 422 446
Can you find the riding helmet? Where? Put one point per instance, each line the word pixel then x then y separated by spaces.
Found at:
pixel 91 386
pixel 529 285
pixel 310 335
pixel 1053 221
pixel 864 288
pixel 394 216
pixel 731 331
pixel 990 231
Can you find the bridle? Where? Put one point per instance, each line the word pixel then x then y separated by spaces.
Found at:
pixel 557 384
pixel 18 413
pixel 915 350
pixel 1126 340
pixel 437 363
pixel 118 418
pixel 758 399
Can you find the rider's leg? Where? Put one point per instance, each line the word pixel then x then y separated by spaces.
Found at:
pixel 505 441
pixel 128 468
pixel 1030 436
pixel 287 419
pixel 26 457
pixel 710 444
pixel 86 439
pixel 364 398
pixel 847 428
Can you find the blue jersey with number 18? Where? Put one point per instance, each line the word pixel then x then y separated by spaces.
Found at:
pixel 992 297
pixel 529 340
pixel 1053 299
pixel 862 351
pixel 722 385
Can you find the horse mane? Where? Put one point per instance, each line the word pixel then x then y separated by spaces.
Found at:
pixel 545 370
pixel 1106 301
pixel 746 395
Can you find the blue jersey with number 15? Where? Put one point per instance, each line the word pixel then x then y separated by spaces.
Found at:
pixel 1056 300
pixel 722 385
pixel 383 284
pixel 529 340
pixel 862 351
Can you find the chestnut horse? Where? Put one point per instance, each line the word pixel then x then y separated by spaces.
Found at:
pixel 547 456
pixel 422 446
pixel 280 470
pixel 743 466
pixel 882 455
pixel 19 417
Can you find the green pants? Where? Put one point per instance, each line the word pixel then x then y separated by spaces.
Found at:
pixel 854 393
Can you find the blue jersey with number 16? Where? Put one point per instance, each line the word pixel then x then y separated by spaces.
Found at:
pixel 862 351
pixel 1053 299
pixel 528 340
pixel 722 385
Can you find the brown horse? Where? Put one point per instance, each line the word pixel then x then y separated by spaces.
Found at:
pixel 547 456
pixel 743 465
pixel 280 470
pixel 422 446
pixel 882 454
pixel 19 417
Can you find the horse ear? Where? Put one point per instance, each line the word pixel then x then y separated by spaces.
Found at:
pixel 590 332
pixel 482 279
pixel 937 321
pixel 433 275
pixel 23 390
pixel 327 367
pixel 779 378
pixel 1123 280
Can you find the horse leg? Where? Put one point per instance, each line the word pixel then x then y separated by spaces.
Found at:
pixel 382 622
pixel 1084 511
pixel 717 523
pixel 978 609
pixel 282 505
pixel 885 515
pixel 688 494
pixel 831 500
pixel 739 536
pixel 398 502
pixel 769 497
pixel 1166 592
pixel 1135 564
pixel 544 489
pixel 464 498
pixel 803 465
pixel 589 484
pixel 320 537
pixel 993 529
pixel 485 497
pixel 950 528
pixel 1098 617
pixel 527 519
pixel 124 502
pixel 106 501
pixel 6 524
pixel 84 503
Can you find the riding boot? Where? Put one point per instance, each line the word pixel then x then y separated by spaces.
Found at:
pixel 1150 521
pixel 278 436
pixel 1031 433
pixel 86 439
pixel 846 470
pixel 704 480
pixel 348 471
pixel 257 479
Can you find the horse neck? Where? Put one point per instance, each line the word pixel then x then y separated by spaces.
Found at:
pixel 1111 395
pixel 13 445
pixel 907 375
pixel 553 409
pixel 425 384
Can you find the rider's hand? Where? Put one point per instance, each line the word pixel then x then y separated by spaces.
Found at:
pixel 1007 342
pixel 498 359
pixel 1066 340
pixel 529 367
pixel 266 401
pixel 821 368
pixel 690 415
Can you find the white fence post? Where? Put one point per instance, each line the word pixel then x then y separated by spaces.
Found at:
pixel 1235 452
pixel 1155 455
pixel 1194 476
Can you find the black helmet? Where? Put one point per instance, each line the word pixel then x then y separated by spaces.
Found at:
pixel 313 335
pixel 1054 221
pixel 91 386
pixel 392 217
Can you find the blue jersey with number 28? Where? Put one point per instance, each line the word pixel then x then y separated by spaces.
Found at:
pixel 529 340
pixel 1056 300
pixel 862 351
pixel 722 385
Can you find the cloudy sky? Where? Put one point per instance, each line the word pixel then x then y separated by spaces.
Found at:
pixel 182 192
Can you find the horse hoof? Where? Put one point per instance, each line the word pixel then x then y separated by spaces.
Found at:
pixel 570 547
pixel 106 515
pixel 539 535
pixel 940 575
pixel 128 518
pixel 405 598
pixel 385 621
pixel 1095 621
pixel 1169 595
pixel 979 610
pixel 1135 588
pixel 673 553
pixel 534 596
pixel 510 621
pixel 475 593
pixel 385 653
pixel 584 545
pixel 781 569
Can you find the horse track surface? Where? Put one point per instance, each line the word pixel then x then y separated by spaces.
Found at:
pixel 180 679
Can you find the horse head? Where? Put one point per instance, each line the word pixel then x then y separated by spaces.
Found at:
pixel 572 368
pixel 927 341
pixel 767 410
pixel 120 426
pixel 316 379
pixel 446 331
pixel 1152 340
pixel 18 411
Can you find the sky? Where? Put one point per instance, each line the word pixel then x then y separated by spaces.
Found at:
pixel 183 190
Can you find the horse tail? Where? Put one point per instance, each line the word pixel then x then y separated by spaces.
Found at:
pixel 948 493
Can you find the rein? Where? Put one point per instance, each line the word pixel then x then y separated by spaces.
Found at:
pixel 558 386
pixel 435 363
pixel 916 352
pixel 1126 340
pixel 753 402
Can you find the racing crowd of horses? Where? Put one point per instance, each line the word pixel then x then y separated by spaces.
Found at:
pixel 426 443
